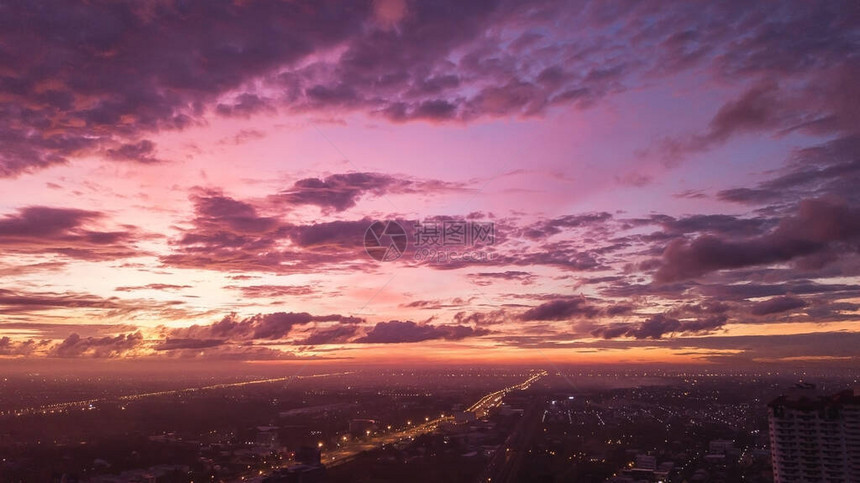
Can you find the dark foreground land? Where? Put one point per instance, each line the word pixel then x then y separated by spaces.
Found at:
pixel 372 425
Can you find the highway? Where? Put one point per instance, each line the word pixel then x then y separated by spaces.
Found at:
pixel 348 451
pixel 90 403
pixel 481 408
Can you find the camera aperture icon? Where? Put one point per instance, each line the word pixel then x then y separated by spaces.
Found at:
pixel 385 240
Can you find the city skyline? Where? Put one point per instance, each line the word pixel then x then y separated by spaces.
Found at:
pixel 664 182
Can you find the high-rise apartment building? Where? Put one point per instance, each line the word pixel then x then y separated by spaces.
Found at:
pixel 815 438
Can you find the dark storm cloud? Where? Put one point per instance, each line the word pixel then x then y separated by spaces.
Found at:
pixel 140 152
pixel 690 318
pixel 97 347
pixel 16 301
pixel 65 231
pixel 245 105
pixel 83 74
pixel 817 226
pixel 339 192
pixel 619 309
pixel 777 305
pixel 342 234
pixel 562 309
pixel 760 108
pixel 818 235
pixel 578 308
pixel 558 225
pixel 716 224
pixel 746 348
pixel 231 235
pixel 797 80
pixel 9 347
pixel 823 106
pixel 272 326
pixel 704 307
pixel 833 311
pixel 277 325
pixel 482 318
pixel 657 326
pixel 752 196
pixel 757 109
pixel 84 77
pixel 829 169
pixel 395 332
pixel 219 212
pixel 43 221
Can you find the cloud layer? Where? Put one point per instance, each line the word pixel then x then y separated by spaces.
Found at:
pixel 659 177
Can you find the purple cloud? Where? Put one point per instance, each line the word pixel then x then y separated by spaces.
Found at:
pixel 97 347
pixel 396 332
pixel 101 79
pixel 562 309
pixel 777 305
pixel 659 325
pixel 64 231
pixel 272 326
pixel 817 225
pixel 339 192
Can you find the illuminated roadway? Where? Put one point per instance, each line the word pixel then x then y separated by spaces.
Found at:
pixel 481 408
pixel 89 403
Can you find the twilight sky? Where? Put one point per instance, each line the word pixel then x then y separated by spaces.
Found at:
pixel 667 182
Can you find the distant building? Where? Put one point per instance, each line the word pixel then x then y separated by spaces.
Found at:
pixel 815 438
pixel 664 470
pixel 646 462
pixel 644 469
